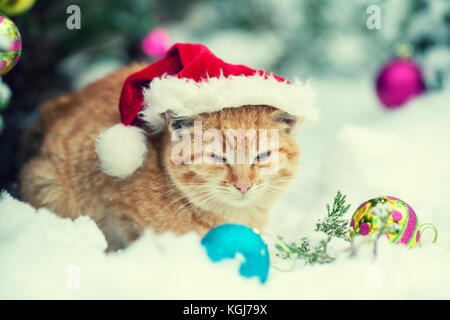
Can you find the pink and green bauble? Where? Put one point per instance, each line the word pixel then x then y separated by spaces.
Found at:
pixel 10 44
pixel 366 220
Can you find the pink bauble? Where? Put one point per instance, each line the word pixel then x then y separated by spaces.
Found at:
pixel 398 81
pixel 156 43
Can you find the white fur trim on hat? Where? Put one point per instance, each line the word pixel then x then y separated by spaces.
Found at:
pixel 186 97
pixel 121 150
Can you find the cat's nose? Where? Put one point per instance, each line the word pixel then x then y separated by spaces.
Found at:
pixel 243 187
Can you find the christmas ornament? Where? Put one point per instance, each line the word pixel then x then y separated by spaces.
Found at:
pixel 10 44
pixel 190 80
pixel 399 81
pixel 399 219
pixel 156 43
pixel 227 240
pixel 15 7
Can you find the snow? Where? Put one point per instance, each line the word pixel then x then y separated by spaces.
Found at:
pixel 358 148
pixel 436 64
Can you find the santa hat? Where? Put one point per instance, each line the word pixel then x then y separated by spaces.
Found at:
pixel 190 80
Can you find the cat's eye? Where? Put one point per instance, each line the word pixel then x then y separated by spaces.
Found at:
pixel 263 156
pixel 218 158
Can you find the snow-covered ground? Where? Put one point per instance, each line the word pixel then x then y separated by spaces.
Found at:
pixel 358 148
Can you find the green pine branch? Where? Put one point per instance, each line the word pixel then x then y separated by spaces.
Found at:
pixel 333 225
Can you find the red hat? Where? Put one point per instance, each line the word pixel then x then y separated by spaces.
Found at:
pixel 190 80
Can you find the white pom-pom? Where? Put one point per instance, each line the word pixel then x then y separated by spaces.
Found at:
pixel 121 150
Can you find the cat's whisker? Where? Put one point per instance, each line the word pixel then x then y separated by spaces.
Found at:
pixel 277 191
pixel 180 185
pixel 166 192
pixel 191 201
pixel 175 201
pixel 190 208
pixel 206 200
pixel 176 188
pixel 188 199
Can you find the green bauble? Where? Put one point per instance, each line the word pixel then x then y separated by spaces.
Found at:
pixel 15 7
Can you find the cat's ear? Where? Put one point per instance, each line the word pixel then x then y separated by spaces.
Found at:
pixel 287 121
pixel 175 122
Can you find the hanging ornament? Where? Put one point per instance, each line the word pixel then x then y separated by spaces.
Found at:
pixel 15 7
pixel 156 43
pixel 394 216
pixel 228 240
pixel 10 44
pixel 399 81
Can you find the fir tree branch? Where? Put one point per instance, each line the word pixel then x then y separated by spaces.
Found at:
pixel 333 225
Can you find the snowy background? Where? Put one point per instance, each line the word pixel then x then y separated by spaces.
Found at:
pixel 358 147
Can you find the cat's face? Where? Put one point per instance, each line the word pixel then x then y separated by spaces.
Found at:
pixel 233 158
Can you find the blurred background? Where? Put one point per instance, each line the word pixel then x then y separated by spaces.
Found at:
pixel 318 39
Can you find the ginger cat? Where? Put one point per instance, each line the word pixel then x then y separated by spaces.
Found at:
pixel 64 176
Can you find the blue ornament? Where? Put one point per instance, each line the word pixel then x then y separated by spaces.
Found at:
pixel 226 240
